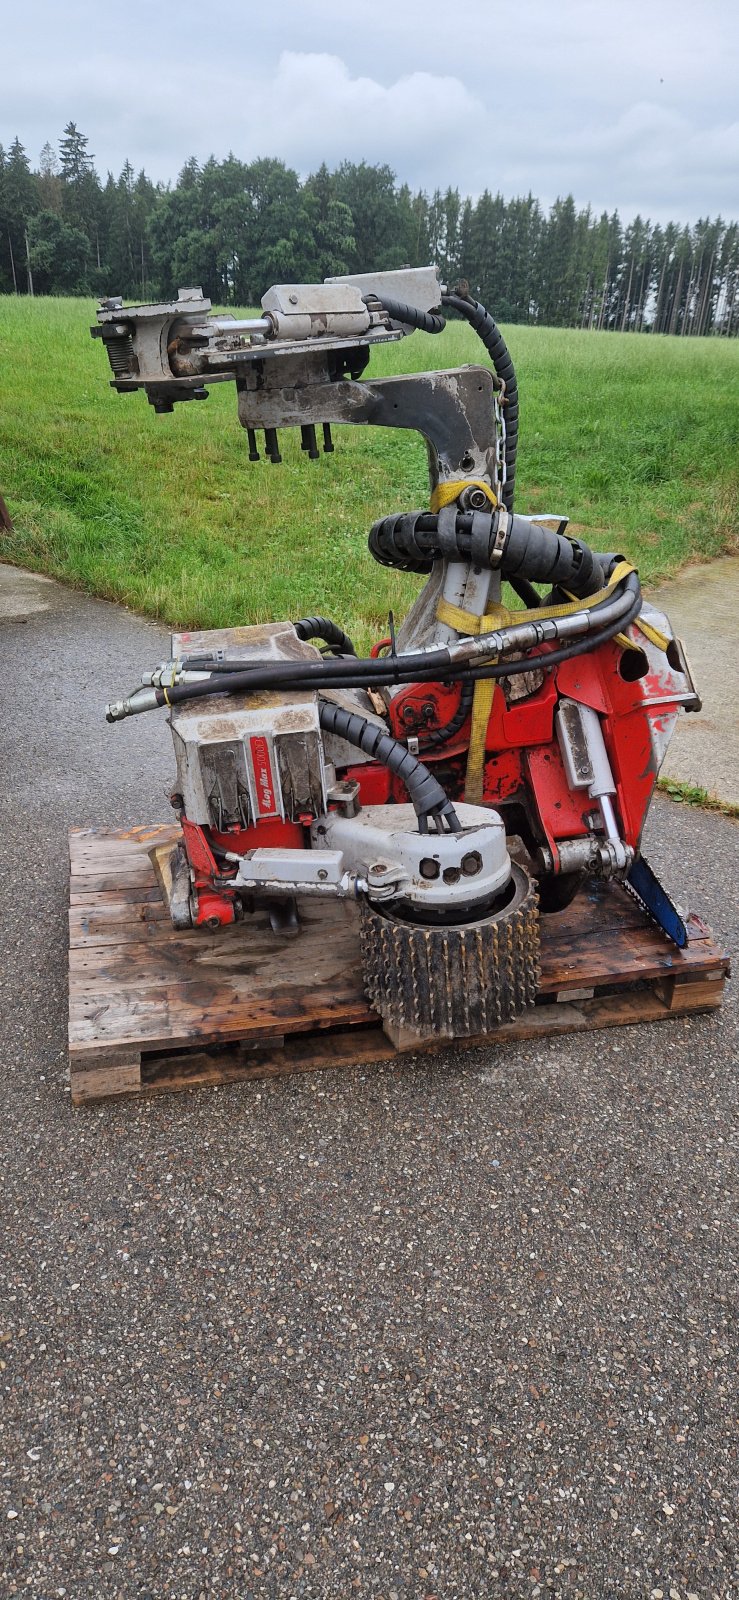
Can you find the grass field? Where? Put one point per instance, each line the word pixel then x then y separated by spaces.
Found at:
pixel 635 438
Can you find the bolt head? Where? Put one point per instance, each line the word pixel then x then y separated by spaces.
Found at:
pixel 471 863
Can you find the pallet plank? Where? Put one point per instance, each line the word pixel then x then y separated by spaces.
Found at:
pixel 105 1082
pixel 364 1046
pixel 119 893
pixel 155 1021
pixel 153 1008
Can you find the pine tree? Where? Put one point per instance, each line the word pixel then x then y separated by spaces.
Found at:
pixel 19 202
pixel 58 255
pixel 49 180
pixel 412 227
pixel 76 160
pixel 127 204
pixel 484 237
pixel 370 194
pixel 81 192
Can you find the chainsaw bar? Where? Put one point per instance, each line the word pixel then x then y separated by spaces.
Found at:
pixel 644 886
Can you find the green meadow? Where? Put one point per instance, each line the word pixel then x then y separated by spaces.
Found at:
pixel 636 438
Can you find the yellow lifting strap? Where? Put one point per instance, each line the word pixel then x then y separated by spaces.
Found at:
pixel 654 635
pixel 446 493
pixel 502 617
pixel 482 705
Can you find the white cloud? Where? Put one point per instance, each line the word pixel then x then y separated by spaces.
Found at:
pixel 312 109
pixel 306 109
pixel 631 106
pixel 648 159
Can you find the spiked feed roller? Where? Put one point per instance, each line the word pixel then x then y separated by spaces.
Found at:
pixel 481 762
pixel 457 980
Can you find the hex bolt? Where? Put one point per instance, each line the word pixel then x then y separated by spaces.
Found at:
pixel 471 863
pixel 429 868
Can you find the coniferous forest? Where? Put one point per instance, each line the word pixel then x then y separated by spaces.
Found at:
pixel 235 227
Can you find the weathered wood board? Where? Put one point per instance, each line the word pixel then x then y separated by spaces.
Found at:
pixel 151 1008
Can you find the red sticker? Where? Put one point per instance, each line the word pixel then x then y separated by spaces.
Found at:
pixel 263 777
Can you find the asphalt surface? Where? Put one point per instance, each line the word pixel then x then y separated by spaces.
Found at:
pixel 456 1327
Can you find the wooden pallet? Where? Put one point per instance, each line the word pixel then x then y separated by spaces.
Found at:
pixel 152 1009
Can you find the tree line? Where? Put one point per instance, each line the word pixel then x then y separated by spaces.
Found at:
pixel 236 227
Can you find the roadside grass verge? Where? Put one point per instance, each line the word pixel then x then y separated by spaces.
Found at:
pixel 691 794
pixel 635 438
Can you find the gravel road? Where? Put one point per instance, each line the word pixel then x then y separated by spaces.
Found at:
pixel 459 1327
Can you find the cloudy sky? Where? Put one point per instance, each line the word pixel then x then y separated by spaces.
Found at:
pixel 630 103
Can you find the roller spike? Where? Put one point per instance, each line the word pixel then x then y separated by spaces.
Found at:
pixel 454 981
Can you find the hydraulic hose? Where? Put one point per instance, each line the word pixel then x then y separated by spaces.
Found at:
pixel 532 663
pixel 314 674
pixel 470 675
pixel 461 660
pixel 516 546
pixel 425 792
pixel 526 592
pixel 492 338
pixel 552 658
pixel 337 640
pixel 427 321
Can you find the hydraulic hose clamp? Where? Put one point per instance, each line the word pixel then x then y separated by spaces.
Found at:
pixel 496 549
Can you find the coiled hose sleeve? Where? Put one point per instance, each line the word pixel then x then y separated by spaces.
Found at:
pixel 414 540
pixel 426 794
pixel 427 321
pixel 492 338
pixel 432 738
pixel 322 628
